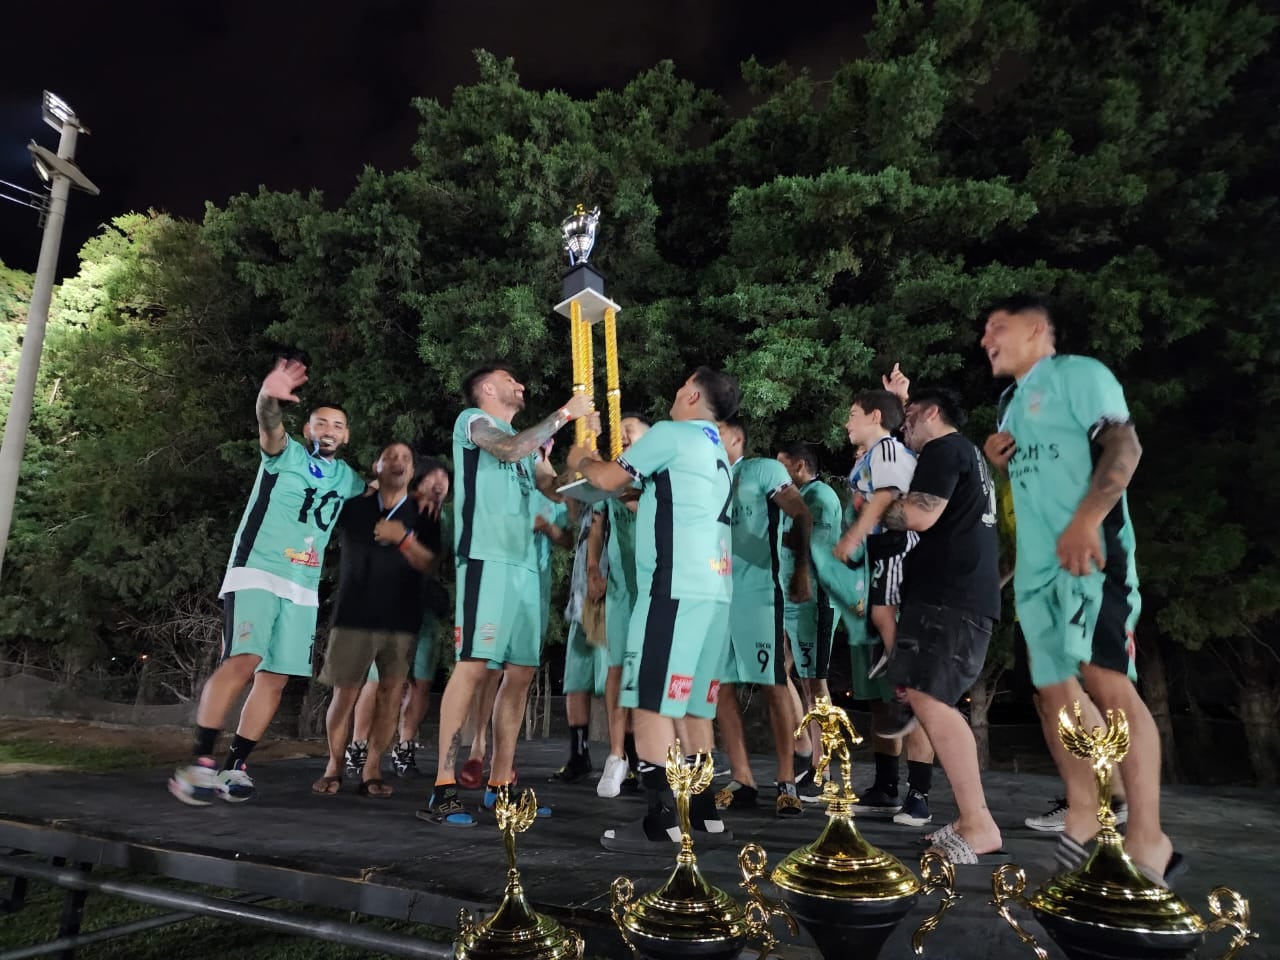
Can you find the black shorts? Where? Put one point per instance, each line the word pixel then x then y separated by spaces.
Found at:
pixel 888 552
pixel 939 651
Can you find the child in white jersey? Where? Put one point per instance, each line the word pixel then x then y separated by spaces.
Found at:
pixel 880 476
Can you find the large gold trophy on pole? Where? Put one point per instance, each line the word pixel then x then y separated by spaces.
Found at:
pixel 849 895
pixel 515 931
pixel 584 303
pixel 1107 909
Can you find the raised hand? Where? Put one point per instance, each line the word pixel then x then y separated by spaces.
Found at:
pixel 285 378
pixel 579 405
pixel 999 450
pixel 897 383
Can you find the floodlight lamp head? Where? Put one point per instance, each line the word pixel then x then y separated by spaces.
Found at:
pixel 43 170
pixel 58 113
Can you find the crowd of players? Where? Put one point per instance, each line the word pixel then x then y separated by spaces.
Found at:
pixel 706 571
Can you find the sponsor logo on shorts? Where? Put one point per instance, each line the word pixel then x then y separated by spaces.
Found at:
pixel 306 557
pixel 487 633
pixel 713 692
pixel 457 639
pixel 244 630
pixel 679 688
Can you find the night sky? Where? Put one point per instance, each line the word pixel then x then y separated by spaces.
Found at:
pixel 190 103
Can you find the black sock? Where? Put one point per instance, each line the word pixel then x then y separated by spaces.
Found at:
pixel 578 741
pixel 653 779
pixel 629 748
pixel 206 741
pixel 886 772
pixel 919 776
pixel 702 808
pixel 241 747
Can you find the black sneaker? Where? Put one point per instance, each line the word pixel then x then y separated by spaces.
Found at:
pixel 578 768
pixel 357 756
pixel 897 722
pixel 403 761
pixel 630 783
pixel 915 810
pixel 879 802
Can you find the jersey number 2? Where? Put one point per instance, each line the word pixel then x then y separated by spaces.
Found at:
pixel 728 500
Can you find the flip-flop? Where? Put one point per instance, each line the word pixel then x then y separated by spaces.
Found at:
pixel 325 783
pixel 369 788
pixel 960 853
pixel 471 776
pixel 455 816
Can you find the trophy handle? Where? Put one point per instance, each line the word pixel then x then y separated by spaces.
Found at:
pixel 466 923
pixel 1235 915
pixel 937 875
pixel 1007 884
pixel 759 909
pixel 622 890
pixel 579 944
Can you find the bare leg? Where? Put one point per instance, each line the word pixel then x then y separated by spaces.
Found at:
pixel 617 714
pixel 1077 777
pixel 1145 840
pixel 386 713
pixel 782 726
pixel 366 705
pixel 810 690
pixel 1049 724
pixel 732 735
pixel 482 713
pixel 414 709
pixel 466 678
pixel 919 748
pixel 891 748
pixel 958 753
pixel 508 714
pixel 578 708
pixel 654 734
pixel 885 620
pixel 337 726
pixel 261 704
pixel 223 687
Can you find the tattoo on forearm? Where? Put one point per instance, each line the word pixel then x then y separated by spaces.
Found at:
pixel 1121 452
pixel 512 447
pixel 895 517
pixel 270 416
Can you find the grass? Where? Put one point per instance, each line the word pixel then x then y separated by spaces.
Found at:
pixel 37 922
pixel 72 756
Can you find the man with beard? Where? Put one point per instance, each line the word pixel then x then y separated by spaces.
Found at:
pixel 499 599
pixel 269 592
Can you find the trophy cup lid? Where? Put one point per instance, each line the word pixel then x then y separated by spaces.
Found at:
pixel 515 931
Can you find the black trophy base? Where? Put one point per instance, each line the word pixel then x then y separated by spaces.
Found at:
pixel 579 279
pixel 1089 941
pixel 678 948
pixel 843 929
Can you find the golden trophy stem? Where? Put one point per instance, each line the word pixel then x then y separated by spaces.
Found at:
pixel 613 383
pixel 578 334
pixel 588 366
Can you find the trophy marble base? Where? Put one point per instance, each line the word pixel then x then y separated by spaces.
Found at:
pixel 583 491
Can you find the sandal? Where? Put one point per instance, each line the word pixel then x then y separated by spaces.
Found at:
pixel 321 788
pixel 448 811
pixel 948 843
pixel 375 789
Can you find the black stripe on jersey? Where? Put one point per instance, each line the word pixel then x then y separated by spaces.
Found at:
pixel 472 573
pixel 228 624
pixel 470 467
pixel 775 559
pixel 779 596
pixel 888 450
pixel 655 655
pixel 664 533
pixel 253 522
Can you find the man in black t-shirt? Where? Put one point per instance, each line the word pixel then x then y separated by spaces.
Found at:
pixel 376 614
pixel 950 601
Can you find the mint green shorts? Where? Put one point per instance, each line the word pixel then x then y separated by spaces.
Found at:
pixel 675 650
pixel 585 666
pixel 281 632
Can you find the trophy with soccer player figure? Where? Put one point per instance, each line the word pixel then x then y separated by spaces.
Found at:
pixel 584 303
pixel 1107 908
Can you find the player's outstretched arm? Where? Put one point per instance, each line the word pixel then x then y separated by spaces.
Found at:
pixel 512 447
pixel 869 517
pixel 791 503
pixel 285 378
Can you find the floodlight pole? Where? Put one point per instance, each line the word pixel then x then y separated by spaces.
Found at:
pixel 24 386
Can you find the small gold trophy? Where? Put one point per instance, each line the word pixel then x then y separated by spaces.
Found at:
pixel 849 895
pixel 515 931
pixel 1107 908
pixel 687 917
pixel 584 303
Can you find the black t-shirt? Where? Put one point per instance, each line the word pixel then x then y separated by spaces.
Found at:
pixel 377 587
pixel 955 564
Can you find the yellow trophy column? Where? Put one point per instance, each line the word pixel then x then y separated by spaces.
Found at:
pixel 576 330
pixel 612 382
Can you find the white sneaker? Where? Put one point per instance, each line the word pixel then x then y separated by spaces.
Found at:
pixel 235 786
pixel 1054 820
pixel 610 783
pixel 197 784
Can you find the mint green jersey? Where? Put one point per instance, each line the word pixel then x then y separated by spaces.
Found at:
pixel 1055 414
pixel 683 534
pixel 757 529
pixel 286 525
pixel 828 516
pixel 493 505
pixel 619 544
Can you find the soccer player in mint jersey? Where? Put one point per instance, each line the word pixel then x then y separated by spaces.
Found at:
pixel 811 626
pixel 1068 445
pixel 269 591
pixel 499 594
pixel 612 545
pixel 763 495
pixel 680 627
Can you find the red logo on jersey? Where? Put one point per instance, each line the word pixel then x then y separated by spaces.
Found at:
pixel 304 558
pixel 713 692
pixel 457 640
pixel 679 688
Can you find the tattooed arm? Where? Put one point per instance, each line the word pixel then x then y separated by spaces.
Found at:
pixel 915 511
pixel 271 435
pixel 512 447
pixel 285 377
pixel 1080 546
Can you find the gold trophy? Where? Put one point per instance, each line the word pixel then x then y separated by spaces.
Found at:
pixel 849 895
pixel 687 917
pixel 584 303
pixel 1106 908
pixel 515 931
